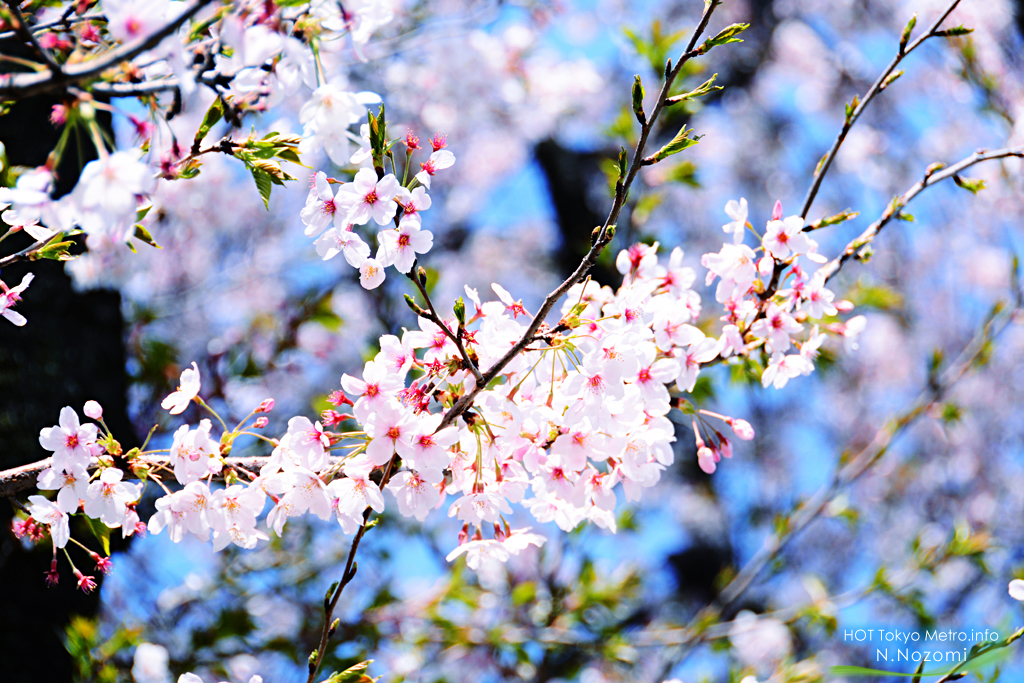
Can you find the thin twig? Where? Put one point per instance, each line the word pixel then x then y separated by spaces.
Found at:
pixel 436 319
pixel 350 572
pixel 832 267
pixel 878 86
pixel 807 512
pixel 29 37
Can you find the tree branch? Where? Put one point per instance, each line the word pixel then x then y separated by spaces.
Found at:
pixel 879 85
pixel 23 478
pixel 20 86
pixel 602 237
pixel 331 601
pixel 65 21
pixel 432 316
pixel 29 37
pixel 866 237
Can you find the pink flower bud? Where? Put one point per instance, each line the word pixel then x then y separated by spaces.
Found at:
pixel 777 211
pixel 266 406
pixel 844 306
pixel 464 534
pixel 260 422
pixel 741 428
pixel 706 460
pixel 725 447
pixel 765 266
pixel 93 409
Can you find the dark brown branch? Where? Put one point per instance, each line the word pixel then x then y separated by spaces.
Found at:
pixel 19 86
pixel 23 478
pixel 64 22
pixel 28 36
pixel 432 316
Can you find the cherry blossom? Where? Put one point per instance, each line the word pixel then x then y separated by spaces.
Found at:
pixel 188 389
pixel 439 160
pixel 369 198
pixel 737 211
pixel 107 497
pixel 46 512
pixel 10 296
pixel 69 440
pixel 399 247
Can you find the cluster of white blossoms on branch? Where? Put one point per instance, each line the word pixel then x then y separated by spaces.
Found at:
pixel 382 200
pixel 251 55
pixel 583 410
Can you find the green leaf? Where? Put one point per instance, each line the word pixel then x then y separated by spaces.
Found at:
pixel 100 531
pixel 890 79
pixel 685 173
pixel 972 185
pixel 214 114
pixel 54 251
pixel 264 183
pixel 680 142
pixel 638 99
pixel 460 311
pixel 143 235
pixel 835 219
pixel 955 31
pixel 704 88
pixel 905 38
pixel 724 37
pixel 351 672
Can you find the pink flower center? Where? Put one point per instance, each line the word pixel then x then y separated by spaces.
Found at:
pixel 371 197
pixel 328 207
pixel 71 441
pixel 403 241
pixel 372 390
pixel 395 433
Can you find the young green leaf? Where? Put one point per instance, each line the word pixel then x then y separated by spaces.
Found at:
pixel 638 99
pixel 905 38
pixel 680 142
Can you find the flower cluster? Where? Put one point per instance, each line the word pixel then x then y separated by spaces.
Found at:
pixel 256 57
pixel 583 410
pixel 381 199
pixel 768 300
